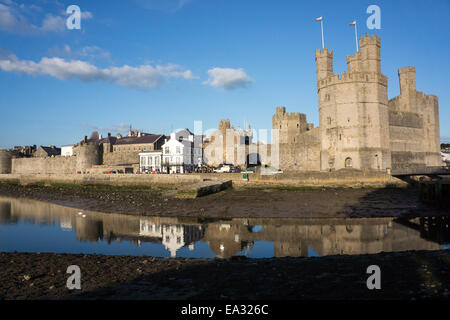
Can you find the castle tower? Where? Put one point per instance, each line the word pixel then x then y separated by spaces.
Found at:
pixel 5 161
pixel 353 111
pixel 324 63
pixel 414 125
pixel 407 78
pixel 289 124
pixel 370 53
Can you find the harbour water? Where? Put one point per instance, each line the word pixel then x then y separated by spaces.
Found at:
pixel 34 226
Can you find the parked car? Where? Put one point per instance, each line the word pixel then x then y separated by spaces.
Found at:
pixel 223 168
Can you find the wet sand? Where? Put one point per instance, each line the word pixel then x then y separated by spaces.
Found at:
pixel 261 202
pixel 406 275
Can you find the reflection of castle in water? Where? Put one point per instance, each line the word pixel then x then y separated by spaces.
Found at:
pixel 290 237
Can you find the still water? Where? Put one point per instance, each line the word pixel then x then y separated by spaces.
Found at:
pixel 33 226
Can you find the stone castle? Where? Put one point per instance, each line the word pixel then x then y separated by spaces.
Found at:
pixel 359 127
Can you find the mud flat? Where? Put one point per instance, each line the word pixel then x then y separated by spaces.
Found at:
pixel 250 202
pixel 405 275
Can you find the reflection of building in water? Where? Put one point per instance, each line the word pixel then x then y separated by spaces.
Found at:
pixel 66 223
pixel 290 237
pixel 173 236
pixel 5 213
pixel 324 236
pixel 225 239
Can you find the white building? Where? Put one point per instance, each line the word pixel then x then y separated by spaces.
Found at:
pixel 150 161
pixel 182 152
pixel 67 151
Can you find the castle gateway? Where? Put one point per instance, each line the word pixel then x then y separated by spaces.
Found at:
pixel 359 127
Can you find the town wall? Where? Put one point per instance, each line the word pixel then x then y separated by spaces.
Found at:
pixel 52 165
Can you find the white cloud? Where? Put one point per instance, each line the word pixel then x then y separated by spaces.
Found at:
pixel 87 52
pixel 227 78
pixel 122 127
pixel 86 15
pixel 140 77
pixel 162 5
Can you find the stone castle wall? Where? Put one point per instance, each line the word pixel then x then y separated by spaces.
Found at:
pixel 87 155
pixel 54 165
pixel 304 154
pixel 121 158
pixel 413 125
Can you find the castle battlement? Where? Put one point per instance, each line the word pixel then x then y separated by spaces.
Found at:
pixel 356 57
pixel 406 69
pixel 281 114
pixel 350 77
pixel 324 52
pixel 369 40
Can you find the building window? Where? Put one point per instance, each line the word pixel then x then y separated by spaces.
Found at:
pixel 178 150
pixel 139 148
pixel 348 162
pixel 166 150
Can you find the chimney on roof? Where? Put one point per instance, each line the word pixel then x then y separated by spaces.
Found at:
pixel 109 134
pixel 100 137
pixel 85 139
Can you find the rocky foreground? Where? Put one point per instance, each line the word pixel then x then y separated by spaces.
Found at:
pixel 406 275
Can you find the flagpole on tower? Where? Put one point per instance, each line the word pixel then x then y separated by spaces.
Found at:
pixel 321 27
pixel 356 34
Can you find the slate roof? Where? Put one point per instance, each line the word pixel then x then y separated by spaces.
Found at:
pixel 145 139
pixel 52 151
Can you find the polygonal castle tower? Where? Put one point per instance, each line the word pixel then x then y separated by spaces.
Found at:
pixel 359 127
pixel 353 110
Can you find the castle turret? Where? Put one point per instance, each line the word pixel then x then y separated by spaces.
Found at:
pixel 88 155
pixel 324 63
pixel 5 161
pixel 407 77
pixel 289 124
pixel 370 53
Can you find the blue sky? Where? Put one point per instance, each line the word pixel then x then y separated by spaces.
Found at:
pixel 161 65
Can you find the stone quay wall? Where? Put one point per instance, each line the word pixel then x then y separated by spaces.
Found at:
pixel 104 179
